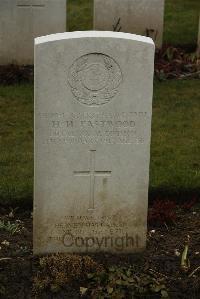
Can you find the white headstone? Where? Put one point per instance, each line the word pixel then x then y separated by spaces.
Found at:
pixel 23 20
pixel 144 17
pixel 93 106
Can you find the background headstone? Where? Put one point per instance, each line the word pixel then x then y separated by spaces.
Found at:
pixel 23 20
pixel 143 17
pixel 93 106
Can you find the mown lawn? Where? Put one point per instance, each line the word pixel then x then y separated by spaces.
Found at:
pixel 181 19
pixel 79 15
pixel 181 22
pixel 175 159
pixel 16 143
pixel 175 149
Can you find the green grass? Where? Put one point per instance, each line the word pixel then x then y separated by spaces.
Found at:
pixel 181 22
pixel 181 19
pixel 175 161
pixel 16 143
pixel 80 15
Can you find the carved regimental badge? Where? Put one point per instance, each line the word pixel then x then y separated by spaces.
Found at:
pixel 94 79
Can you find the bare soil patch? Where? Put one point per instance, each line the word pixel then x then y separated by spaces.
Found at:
pixel 162 259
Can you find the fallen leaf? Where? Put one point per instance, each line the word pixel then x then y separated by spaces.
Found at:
pixel 83 290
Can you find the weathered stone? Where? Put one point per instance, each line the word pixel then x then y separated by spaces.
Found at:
pixel 23 20
pixel 93 105
pixel 144 17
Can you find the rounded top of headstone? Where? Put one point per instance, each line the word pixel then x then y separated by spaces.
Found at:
pixel 88 34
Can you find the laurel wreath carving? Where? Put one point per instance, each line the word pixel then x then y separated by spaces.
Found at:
pixel 104 94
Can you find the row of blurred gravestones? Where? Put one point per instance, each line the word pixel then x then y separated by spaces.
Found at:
pixel 23 20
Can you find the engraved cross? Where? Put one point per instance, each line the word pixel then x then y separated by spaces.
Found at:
pixel 92 173
pixel 30 3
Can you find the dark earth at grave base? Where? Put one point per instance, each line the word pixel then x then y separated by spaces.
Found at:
pixel 165 245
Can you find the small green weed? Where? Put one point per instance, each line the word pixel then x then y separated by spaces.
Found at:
pixel 125 282
pixel 12 228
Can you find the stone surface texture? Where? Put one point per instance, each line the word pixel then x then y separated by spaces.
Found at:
pixel 93 107
pixel 144 17
pixel 23 20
